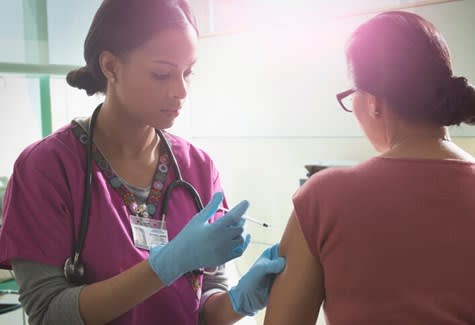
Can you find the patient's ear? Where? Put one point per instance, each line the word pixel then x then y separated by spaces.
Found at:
pixel 375 105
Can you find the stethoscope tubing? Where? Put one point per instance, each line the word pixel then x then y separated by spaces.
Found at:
pixel 178 182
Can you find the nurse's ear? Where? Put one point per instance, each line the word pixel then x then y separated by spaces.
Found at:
pixel 109 64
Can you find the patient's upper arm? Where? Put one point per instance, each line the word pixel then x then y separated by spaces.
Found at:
pixel 297 292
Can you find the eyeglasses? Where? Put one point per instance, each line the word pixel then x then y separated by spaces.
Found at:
pixel 345 99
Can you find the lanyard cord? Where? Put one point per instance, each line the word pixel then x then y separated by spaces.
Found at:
pixel 178 182
pixel 79 244
pixel 168 148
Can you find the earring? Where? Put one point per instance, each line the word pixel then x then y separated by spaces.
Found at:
pixel 113 80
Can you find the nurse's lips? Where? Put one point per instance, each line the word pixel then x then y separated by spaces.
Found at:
pixel 172 111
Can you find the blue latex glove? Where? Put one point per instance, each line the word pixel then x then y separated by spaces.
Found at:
pixel 252 291
pixel 202 244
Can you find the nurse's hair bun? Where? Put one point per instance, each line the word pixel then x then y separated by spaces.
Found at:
pixel 82 78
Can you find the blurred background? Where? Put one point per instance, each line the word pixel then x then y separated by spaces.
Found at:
pixel 262 100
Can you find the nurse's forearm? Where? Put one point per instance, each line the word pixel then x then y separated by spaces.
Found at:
pixel 219 311
pixel 106 300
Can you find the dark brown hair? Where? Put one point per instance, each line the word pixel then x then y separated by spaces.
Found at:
pixel 122 25
pixel 402 58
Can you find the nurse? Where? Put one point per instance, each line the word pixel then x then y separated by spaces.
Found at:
pixel 140 54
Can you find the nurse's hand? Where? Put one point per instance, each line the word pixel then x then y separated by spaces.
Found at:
pixel 251 293
pixel 202 244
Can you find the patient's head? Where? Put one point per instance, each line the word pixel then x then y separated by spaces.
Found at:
pixel 402 60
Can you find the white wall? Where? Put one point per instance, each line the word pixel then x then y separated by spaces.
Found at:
pixel 282 81
pixel 19 117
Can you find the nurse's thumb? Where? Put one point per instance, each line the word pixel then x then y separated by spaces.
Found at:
pixel 276 265
pixel 210 209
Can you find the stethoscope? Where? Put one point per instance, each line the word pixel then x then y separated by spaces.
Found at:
pixel 74 269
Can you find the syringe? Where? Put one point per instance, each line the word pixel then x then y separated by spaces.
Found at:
pixel 253 220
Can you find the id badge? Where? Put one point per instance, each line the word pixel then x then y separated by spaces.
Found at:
pixel 147 232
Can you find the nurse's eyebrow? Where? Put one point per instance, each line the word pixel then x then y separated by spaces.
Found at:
pixel 166 62
pixel 171 63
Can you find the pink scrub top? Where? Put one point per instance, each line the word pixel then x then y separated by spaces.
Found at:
pixel 42 209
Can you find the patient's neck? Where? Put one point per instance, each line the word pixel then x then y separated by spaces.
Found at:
pixel 424 142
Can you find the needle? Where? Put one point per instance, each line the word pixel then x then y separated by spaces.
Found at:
pixel 253 220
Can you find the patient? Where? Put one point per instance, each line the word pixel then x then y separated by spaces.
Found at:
pixel 391 240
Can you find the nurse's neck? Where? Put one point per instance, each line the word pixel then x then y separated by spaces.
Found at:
pixel 119 134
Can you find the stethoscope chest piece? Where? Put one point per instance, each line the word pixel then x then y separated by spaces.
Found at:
pixel 74 270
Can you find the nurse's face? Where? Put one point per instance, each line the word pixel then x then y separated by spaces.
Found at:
pixel 152 81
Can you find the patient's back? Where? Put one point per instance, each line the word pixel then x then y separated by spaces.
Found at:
pixel 396 239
